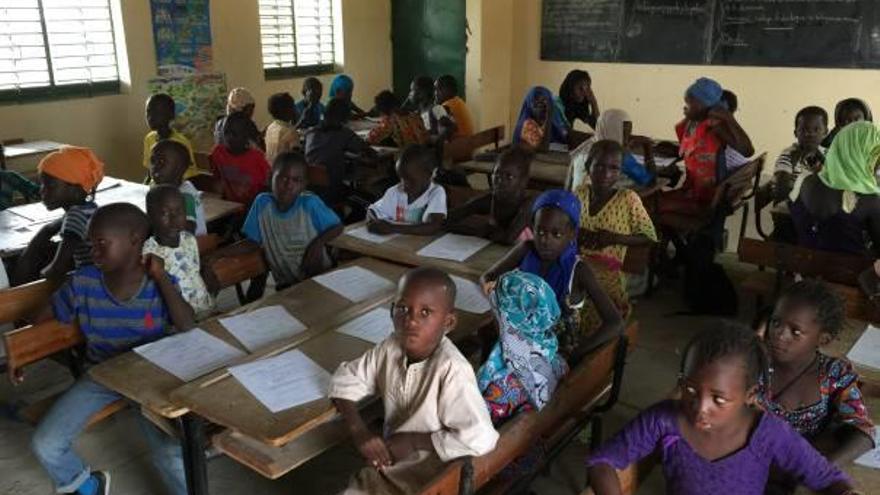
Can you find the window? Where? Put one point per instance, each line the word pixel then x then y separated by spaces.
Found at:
pixel 56 48
pixel 297 36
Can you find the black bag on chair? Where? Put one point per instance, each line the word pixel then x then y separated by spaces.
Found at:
pixel 707 288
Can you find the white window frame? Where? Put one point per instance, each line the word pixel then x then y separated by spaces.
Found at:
pixel 294 68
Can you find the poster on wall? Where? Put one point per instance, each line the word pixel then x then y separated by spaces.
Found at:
pixel 182 35
pixel 199 99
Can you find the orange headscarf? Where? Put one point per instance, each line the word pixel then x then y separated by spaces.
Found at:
pixel 74 165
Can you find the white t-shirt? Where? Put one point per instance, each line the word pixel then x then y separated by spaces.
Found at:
pixel 394 205
pixel 188 189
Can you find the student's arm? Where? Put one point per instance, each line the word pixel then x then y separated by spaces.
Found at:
pixel 593 117
pixel 873 224
pixel 315 251
pixel 612 323
pixel 731 133
pixel 510 235
pixel 370 445
pixel 63 260
pixel 797 458
pixel 510 261
pixel 182 314
pixel 474 206
pixel 432 226
pixel 604 480
pixel 851 443
pixel 28 266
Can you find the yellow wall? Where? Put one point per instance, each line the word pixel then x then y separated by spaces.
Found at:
pixel 652 94
pixel 114 125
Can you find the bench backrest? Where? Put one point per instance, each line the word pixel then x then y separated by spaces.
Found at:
pixel 33 343
pixel 24 301
pixel 839 268
pixel 462 149
pixel 740 186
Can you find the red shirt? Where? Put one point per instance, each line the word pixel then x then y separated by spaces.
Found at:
pixel 242 176
pixel 700 148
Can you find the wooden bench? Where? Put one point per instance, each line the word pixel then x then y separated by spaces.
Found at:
pixel 462 149
pixel 575 404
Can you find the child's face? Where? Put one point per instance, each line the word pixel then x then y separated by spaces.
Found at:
pixel 422 315
pixel 851 115
pixel 508 179
pixel 441 93
pixel 235 137
pixel 56 193
pixel 793 333
pixel 158 114
pixel 694 109
pixel 605 170
pixel 419 95
pixel 166 167
pixel 414 177
pixel 168 219
pixel 581 90
pixel 715 394
pixel 312 92
pixel 114 248
pixel 810 131
pixel 539 108
pixel 553 232
pixel 287 183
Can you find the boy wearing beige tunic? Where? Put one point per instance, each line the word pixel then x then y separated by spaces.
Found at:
pixel 433 409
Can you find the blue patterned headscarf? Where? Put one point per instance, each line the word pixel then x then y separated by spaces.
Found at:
pixel 526 310
pixel 341 83
pixel 558 123
pixel 559 274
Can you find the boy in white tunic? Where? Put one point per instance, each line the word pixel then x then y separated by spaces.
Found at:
pixel 433 409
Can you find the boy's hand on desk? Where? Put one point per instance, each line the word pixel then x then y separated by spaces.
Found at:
pixel 402 445
pixel 312 258
pixel 374 449
pixel 379 227
pixel 154 266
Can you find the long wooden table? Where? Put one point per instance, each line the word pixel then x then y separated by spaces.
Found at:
pixel 19 224
pixel 403 249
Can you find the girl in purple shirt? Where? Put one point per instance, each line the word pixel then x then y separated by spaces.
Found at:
pixel 713 439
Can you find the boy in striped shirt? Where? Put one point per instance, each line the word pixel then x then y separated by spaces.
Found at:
pixel 119 302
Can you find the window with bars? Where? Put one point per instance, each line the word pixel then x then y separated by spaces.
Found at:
pixel 297 36
pixel 52 48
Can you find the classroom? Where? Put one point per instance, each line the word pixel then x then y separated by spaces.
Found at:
pixel 439 247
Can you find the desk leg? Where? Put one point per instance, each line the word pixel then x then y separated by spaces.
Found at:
pixel 194 462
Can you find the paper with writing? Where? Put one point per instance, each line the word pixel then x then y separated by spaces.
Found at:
pixel 354 283
pixel 454 247
pixel 365 235
pixel 261 327
pixel 190 354
pixel 374 326
pixel 283 381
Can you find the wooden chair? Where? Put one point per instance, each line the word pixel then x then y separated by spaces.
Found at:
pixel 208 243
pixel 462 149
pixel 575 404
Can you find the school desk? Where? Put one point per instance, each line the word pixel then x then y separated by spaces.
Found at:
pixel 23 156
pixel 150 387
pixel 403 248
pixel 19 224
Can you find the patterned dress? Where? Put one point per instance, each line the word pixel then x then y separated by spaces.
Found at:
pixel 840 401
pixel 622 214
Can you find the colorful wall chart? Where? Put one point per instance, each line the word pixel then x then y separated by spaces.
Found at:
pixel 199 99
pixel 182 35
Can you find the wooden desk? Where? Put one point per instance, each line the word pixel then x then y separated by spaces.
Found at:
pixel 403 248
pixel 550 173
pixel 19 224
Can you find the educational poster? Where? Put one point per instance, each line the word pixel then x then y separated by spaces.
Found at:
pixel 182 35
pixel 199 100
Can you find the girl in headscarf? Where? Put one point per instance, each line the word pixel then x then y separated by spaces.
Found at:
pixel 846 112
pixel 831 210
pixel 540 123
pixel 524 367
pixel 553 256
pixel 69 178
pixel 614 125
pixel 240 100
pixel 577 100
pixel 342 88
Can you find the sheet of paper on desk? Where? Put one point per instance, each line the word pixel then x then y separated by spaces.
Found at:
pixel 871 458
pixel 189 355
pixel 37 213
pixel 374 326
pixel 261 327
pixel 354 283
pixel 365 235
pixel 866 350
pixel 469 296
pixel 283 381
pixel 454 247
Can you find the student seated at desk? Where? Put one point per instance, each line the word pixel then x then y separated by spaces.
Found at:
pixel 833 209
pixel 15 187
pixel 577 99
pixel 241 169
pixel 553 255
pixel 122 301
pixel 160 111
pixel 505 210
pixel 818 395
pixel 540 122
pixel 704 134
pixel 327 146
pixel 281 134
pixel 806 155
pixel 168 160
pixel 342 89
pixel 396 127
pixel 712 439
pixel 846 112
pixel 176 246
pixel 612 220
pixel 292 226
pixel 68 179
pixel 310 109
pixel 524 367
pixel 733 159
pixel 433 409
pixel 435 118
pixel 417 205
pixel 240 100
pixel 446 95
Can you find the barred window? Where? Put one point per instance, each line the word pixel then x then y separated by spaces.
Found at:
pixel 297 36
pixel 56 47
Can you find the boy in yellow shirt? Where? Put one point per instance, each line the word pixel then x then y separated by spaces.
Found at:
pixel 160 113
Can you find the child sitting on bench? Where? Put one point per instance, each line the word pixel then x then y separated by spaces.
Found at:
pixel 433 409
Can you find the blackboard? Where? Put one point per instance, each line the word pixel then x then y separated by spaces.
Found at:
pixel 796 33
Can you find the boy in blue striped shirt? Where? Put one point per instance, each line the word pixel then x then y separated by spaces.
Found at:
pixel 120 302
